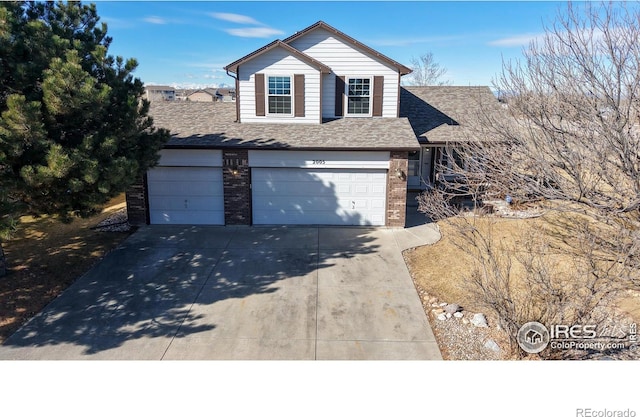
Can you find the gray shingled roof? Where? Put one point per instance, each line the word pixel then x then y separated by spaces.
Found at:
pixel 197 124
pixel 440 114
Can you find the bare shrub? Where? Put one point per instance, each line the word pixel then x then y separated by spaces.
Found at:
pixel 568 139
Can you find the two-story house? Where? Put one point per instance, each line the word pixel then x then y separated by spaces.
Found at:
pixel 315 136
pixel 155 93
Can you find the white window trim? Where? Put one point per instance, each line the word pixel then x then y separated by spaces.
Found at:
pixel 346 96
pixel 266 96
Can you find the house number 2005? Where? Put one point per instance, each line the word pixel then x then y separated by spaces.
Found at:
pixel 319 162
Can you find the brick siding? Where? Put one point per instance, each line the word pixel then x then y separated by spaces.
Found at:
pixel 237 187
pixel 137 211
pixel 397 190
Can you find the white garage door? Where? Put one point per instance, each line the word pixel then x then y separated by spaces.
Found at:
pixel 318 196
pixel 185 195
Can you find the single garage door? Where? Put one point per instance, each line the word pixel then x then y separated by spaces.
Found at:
pixel 185 195
pixel 319 196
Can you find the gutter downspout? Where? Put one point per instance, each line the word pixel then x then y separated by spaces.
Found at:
pixel 235 77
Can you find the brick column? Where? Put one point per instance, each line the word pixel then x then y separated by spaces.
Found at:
pixel 137 204
pixel 237 187
pixel 397 189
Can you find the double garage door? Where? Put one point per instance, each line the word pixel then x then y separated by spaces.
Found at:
pixel 320 196
pixel 287 187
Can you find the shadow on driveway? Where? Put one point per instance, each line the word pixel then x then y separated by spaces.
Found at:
pixel 168 282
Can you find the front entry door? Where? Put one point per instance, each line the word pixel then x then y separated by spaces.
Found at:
pixel 426 166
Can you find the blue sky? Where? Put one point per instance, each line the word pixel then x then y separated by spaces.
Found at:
pixel 186 44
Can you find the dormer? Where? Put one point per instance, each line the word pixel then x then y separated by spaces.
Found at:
pixel 318 73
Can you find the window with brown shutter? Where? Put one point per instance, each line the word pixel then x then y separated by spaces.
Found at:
pixel 359 96
pixel 279 95
pixel 298 89
pixel 259 88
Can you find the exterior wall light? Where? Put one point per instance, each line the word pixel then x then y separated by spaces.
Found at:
pixel 234 171
pixel 400 174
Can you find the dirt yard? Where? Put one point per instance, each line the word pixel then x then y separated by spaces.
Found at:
pixel 45 256
pixel 441 273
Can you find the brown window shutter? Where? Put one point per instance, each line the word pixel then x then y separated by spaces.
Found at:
pixel 298 88
pixel 339 95
pixel 259 80
pixel 378 84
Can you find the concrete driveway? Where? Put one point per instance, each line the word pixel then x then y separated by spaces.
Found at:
pixel 240 293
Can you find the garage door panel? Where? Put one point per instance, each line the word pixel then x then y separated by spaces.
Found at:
pixel 186 217
pixel 185 195
pixel 182 174
pixel 205 203
pixel 288 203
pixel 291 189
pixel 296 217
pixel 327 196
pixel 194 188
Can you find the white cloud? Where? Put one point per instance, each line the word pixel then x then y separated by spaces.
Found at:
pixel 236 18
pixel 156 20
pixel 255 32
pixel 516 40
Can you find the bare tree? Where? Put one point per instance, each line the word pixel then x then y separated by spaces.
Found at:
pixel 426 71
pixel 571 142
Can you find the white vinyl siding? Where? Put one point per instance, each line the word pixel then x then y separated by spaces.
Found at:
pixel 191 157
pixel 319 159
pixel 278 62
pixel 345 60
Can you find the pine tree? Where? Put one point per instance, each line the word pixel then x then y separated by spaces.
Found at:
pixel 74 129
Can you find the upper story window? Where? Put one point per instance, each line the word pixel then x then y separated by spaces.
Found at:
pixel 279 96
pixel 359 96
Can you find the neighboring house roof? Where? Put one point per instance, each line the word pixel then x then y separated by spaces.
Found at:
pixel 211 92
pixel 203 125
pixel 440 114
pixel 348 39
pixel 226 91
pixel 233 67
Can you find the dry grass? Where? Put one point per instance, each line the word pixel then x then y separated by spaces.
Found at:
pixel 444 269
pixel 44 257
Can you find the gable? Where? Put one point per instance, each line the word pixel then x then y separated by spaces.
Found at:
pixel 283 47
pixel 307 40
pixel 339 55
